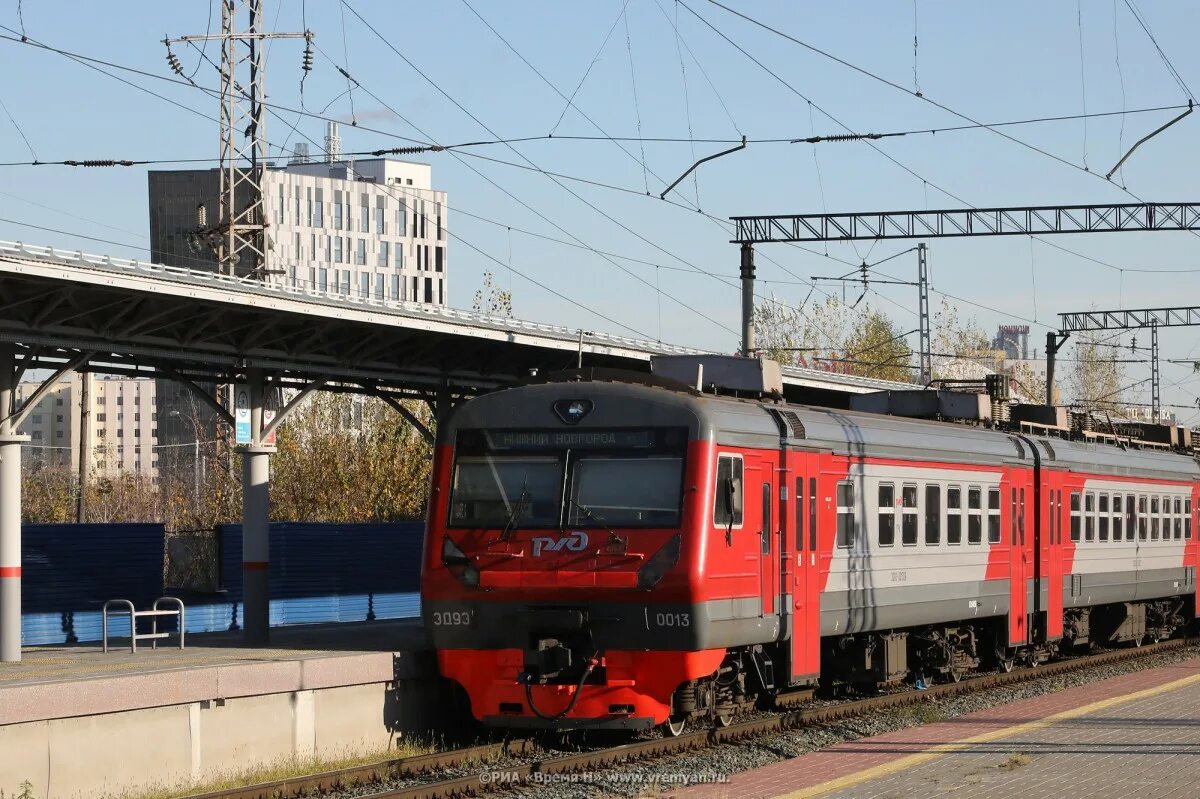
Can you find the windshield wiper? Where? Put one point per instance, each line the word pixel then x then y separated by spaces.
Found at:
pixel 613 538
pixel 517 509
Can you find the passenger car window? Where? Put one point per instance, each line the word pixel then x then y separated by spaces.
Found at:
pixel 1075 523
pixel 845 514
pixel 933 515
pixel 993 515
pixel 974 515
pixel 954 515
pixel 1089 516
pixel 908 529
pixel 1118 517
pixel 887 514
pixel 1102 519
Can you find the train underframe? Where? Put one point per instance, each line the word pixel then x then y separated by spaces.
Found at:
pixel 870 661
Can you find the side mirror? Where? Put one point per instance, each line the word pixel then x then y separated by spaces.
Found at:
pixel 731 488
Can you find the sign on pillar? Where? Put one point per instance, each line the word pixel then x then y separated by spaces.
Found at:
pixel 241 414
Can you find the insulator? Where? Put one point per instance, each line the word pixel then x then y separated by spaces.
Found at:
pixel 173 62
pixel 308 59
pixel 201 216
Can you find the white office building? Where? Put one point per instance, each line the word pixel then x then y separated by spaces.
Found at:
pixel 374 228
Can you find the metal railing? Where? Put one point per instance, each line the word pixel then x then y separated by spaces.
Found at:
pixel 152 614
pixel 304 291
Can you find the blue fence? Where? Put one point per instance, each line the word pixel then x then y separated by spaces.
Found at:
pixel 326 572
pixel 70 570
pixel 319 573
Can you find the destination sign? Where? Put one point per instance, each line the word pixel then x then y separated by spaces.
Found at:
pixel 570 439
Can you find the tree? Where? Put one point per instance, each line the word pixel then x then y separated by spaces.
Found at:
pixel 835 337
pixel 346 458
pixel 1095 378
pixel 491 299
pixel 955 337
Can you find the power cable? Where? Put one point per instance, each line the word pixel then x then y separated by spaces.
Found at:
pixel 687 103
pixel 1166 61
pixel 595 59
pixel 679 38
pixel 346 61
pixel 1121 83
pixel 204 44
pixel 20 132
pixel 535 167
pixel 1082 78
pixel 898 87
pixel 637 111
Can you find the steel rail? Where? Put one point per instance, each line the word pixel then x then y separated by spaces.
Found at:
pixel 515 776
pixel 519 775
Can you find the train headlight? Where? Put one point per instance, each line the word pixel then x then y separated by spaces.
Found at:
pixel 469 577
pixel 656 567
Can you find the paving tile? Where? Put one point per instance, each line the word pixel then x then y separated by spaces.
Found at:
pixel 1106 744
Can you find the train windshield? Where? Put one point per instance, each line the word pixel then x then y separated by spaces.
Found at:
pixel 580 478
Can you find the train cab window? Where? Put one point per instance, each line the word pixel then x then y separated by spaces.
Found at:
pixel 500 490
pixel 1178 518
pixel 1075 520
pixel 1155 510
pixel 993 515
pixel 933 515
pixel 908 527
pixel 1118 517
pixel 727 504
pixel 1187 517
pixel 1102 520
pixel 887 514
pixel 845 514
pixel 974 514
pixel 954 515
pixel 1141 514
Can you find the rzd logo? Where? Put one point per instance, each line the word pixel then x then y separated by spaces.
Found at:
pixel 575 542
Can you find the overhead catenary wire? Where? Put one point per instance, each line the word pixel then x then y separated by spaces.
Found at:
pixel 1137 15
pixel 535 167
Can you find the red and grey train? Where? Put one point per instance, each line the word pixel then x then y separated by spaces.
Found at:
pixel 608 554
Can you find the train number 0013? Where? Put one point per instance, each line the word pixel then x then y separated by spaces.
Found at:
pixel 673 619
pixel 452 618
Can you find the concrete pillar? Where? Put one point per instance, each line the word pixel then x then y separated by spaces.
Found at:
pixel 256 522
pixel 10 511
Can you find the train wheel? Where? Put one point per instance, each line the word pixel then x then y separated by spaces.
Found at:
pixel 1006 664
pixel 674 726
pixel 724 719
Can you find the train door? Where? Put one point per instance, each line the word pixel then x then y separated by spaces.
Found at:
pixel 755 544
pixel 1019 563
pixel 1052 569
pixel 768 497
pixel 805 598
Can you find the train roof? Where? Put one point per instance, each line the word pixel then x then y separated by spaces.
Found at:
pixel 853 433
pixel 760 423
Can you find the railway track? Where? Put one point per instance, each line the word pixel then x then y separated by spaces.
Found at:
pixel 514 775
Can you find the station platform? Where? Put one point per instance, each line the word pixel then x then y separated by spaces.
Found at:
pixel 1136 735
pixel 318 691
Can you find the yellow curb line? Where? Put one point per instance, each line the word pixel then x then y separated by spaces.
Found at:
pixel 938 750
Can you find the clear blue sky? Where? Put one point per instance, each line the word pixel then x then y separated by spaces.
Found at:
pixel 991 61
